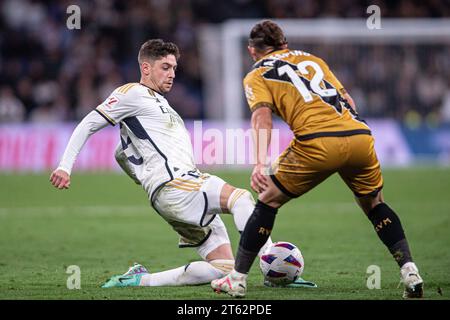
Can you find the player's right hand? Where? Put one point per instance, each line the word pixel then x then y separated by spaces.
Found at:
pixel 258 180
pixel 60 179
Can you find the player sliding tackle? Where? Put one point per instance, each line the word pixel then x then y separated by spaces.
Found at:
pixel 156 152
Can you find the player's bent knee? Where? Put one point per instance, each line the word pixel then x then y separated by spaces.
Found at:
pixel 368 202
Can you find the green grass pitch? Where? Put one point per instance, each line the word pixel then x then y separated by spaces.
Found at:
pixel 104 223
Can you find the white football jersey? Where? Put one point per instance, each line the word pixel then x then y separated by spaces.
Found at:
pixel 153 135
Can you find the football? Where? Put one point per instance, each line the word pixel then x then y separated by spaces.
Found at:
pixel 282 263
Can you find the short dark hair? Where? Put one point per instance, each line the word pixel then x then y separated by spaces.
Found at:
pixel 156 49
pixel 266 34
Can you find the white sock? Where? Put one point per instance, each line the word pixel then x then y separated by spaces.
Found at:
pixel 198 272
pixel 241 205
pixel 237 275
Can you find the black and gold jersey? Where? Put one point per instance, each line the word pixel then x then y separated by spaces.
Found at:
pixel 303 91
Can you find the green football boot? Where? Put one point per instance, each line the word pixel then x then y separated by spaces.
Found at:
pixel 298 283
pixel 131 278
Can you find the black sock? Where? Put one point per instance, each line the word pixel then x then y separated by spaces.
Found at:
pixel 390 231
pixel 400 252
pixel 255 235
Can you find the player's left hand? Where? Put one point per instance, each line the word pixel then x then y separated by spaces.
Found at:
pixel 258 180
pixel 60 179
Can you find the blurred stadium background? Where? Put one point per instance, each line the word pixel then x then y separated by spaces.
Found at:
pixel 50 77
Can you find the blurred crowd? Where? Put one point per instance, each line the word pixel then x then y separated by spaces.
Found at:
pixel 49 73
pixel 409 82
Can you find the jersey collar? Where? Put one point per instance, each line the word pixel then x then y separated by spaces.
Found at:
pixel 152 89
pixel 273 53
pixel 257 64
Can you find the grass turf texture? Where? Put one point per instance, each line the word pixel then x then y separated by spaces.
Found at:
pixel 104 223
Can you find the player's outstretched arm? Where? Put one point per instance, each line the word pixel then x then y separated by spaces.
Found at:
pixel 93 122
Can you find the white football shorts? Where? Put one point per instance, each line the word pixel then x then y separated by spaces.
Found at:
pixel 190 204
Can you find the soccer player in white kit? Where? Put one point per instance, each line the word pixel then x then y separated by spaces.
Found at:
pixel 156 152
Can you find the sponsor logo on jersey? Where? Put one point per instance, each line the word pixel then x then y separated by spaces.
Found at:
pixel 111 101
